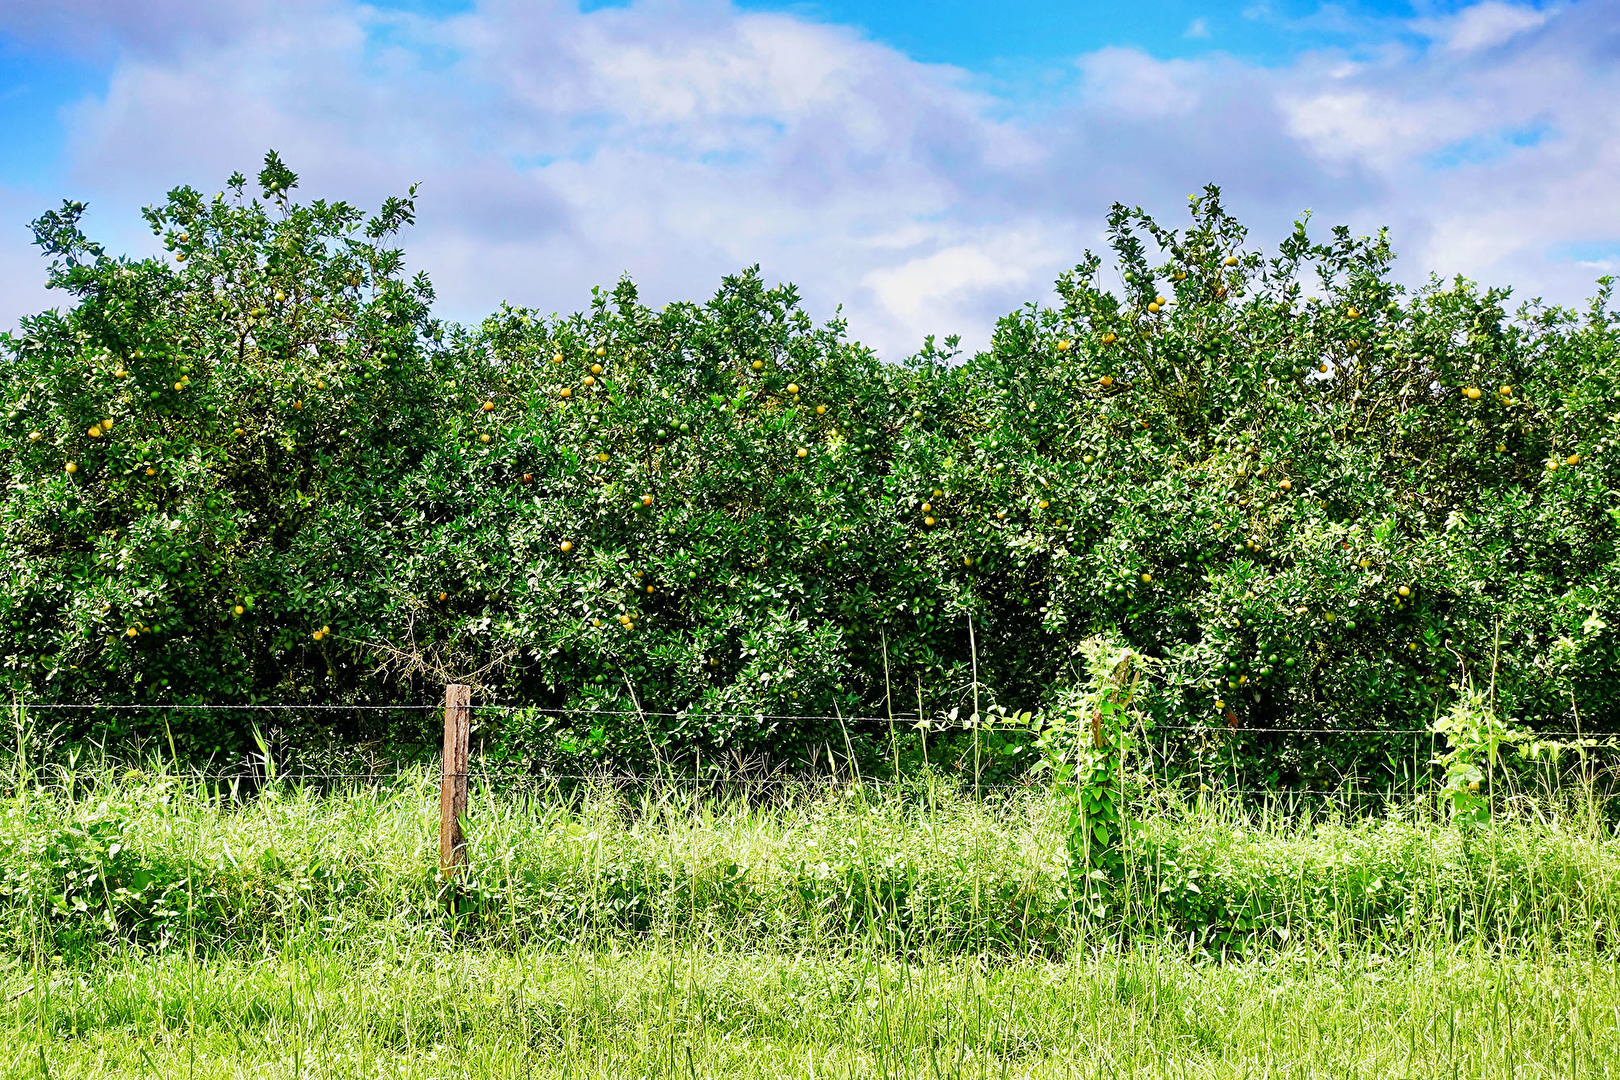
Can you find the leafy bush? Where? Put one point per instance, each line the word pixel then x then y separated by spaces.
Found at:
pixel 1311 497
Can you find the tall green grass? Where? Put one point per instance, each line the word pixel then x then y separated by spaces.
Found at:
pixel 96 861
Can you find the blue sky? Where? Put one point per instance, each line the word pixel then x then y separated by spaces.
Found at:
pixel 925 165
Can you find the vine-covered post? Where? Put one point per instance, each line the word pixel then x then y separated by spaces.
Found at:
pixel 453 780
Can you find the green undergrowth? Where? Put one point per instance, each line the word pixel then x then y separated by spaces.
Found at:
pixel 408 1008
pixel 99 862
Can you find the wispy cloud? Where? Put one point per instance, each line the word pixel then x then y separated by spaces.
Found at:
pixel 679 141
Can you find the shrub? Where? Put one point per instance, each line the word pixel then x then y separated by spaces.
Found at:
pixel 1312 498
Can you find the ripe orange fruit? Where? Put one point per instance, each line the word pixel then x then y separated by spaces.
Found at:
pixel 443 597
pixel 177 386
pixel 758 365
pixel 590 380
pixel 95 431
pixel 489 406
pixel 1286 485
pixel 238 609
pixel 821 410
pixel 596 369
pixel 1000 514
pixel 1403 592
pixel 1043 504
pixel 1147 579
pixel 565 392
pixel 1161 301
pixel 1353 313
pixel 106 425
pixel 239 432
pixel 150 471
pixel 1153 306
pixel 792 388
pixel 131 632
pixel 317 635
pixel 926 507
pixel 326 629
pixel 1230 260
pixel 320 384
pixel 1552 466
pixel 802 452
pixel 71 468
pixel 1322 368
pixel 556 358
pixel 1109 339
pixel 1506 391
pixel 298 405
pixel 1220 291
pixel 646 500
pixel 649 588
pixel 483 438
pixel 928 521
pixel 528 478
pixel 1574 459
pixel 566 545
pixel 1472 393
pixel 1107 380
pixel 601 350
pixel 1064 345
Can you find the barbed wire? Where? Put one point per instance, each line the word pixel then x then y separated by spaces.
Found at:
pixel 933 724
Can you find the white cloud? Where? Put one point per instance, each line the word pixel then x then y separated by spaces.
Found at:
pixel 1482 25
pixel 681 141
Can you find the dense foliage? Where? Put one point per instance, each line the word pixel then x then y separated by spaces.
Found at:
pixel 262 472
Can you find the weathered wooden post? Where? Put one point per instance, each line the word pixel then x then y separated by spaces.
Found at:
pixel 453 782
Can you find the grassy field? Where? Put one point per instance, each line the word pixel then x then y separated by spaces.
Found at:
pixel 156 926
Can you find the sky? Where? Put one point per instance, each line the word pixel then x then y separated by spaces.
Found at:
pixel 924 167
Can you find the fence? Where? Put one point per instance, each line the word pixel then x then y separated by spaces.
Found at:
pixel 455 754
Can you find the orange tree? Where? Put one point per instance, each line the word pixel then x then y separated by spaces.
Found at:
pixel 1316 499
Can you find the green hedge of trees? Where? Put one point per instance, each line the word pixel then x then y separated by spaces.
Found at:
pixel 261 471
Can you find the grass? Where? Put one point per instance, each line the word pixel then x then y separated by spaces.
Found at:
pixel 156 926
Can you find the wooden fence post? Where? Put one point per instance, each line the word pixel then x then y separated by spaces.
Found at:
pixel 453 782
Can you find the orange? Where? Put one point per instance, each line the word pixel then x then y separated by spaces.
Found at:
pixel 1147 579
pixel 238 432
pixel 71 468
pixel 1286 485
pixel 443 597
pixel 793 388
pixel 646 500
pixel 528 478
pixel 601 350
pixel 1506 391
pixel 1109 339
pixel 1353 313
pixel 1574 459
pixel 106 425
pixel 149 471
pixel 1108 380
pixel 821 410
pixel 177 386
pixel 317 635
pixel 1153 306
pixel 131 632
pixel 483 438
pixel 596 369
pixel 590 380
pixel 926 507
pixel 649 588
pixel 1231 260
pixel 564 392
pixel 556 358
pixel 603 456
pixel 1403 592
pixel 928 521
pixel 803 452
pixel 95 431
pixel 758 365
pixel 566 545
pixel 1043 504
pixel 1064 345
pixel 238 609
pixel 937 493
pixel 1472 393
pixel 489 406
